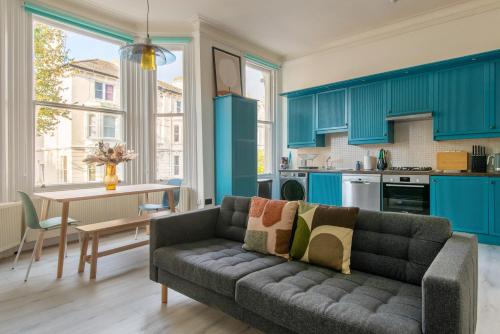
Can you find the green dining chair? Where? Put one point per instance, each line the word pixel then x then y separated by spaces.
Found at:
pixel 33 223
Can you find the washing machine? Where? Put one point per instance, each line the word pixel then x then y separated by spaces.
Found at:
pixel 293 186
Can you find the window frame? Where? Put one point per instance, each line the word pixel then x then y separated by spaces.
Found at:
pixel 172 114
pixel 272 114
pixel 99 110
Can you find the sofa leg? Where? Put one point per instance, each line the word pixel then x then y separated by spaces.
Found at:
pixel 164 294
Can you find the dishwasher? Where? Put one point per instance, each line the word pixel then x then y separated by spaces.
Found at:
pixel 361 190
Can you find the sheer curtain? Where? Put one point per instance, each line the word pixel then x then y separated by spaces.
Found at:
pixel 139 101
pixel 16 107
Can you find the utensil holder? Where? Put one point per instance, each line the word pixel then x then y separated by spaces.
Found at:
pixel 479 163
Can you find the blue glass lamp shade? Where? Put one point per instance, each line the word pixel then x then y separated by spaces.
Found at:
pixel 147 54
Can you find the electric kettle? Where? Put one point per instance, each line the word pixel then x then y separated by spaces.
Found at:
pixel 496 161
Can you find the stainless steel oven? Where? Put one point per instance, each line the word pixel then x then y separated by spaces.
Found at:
pixel 406 193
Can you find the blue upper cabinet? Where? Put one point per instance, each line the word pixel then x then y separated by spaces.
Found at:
pixel 461 101
pixel 302 122
pixel 494 121
pixel 367 114
pixel 464 200
pixel 235 147
pixel 411 94
pixel 325 188
pixel 495 206
pixel 331 111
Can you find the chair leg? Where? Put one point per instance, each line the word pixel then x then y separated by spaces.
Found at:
pixel 137 228
pixel 20 248
pixel 33 255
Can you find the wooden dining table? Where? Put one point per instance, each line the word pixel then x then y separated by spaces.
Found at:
pixel 68 196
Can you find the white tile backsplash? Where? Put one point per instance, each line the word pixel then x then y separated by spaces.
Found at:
pixel 413 146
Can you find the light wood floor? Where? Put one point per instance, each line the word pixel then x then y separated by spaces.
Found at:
pixel 124 300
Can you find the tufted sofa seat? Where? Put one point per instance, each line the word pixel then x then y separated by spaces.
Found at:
pixel 330 302
pixel 215 264
pixel 410 274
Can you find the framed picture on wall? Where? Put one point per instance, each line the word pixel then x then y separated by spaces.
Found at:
pixel 227 70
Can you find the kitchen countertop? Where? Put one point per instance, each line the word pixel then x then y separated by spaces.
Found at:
pixel 391 172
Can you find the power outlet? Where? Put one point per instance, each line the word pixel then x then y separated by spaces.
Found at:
pixel 208 201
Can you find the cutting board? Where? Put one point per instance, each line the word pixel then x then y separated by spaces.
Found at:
pixel 453 161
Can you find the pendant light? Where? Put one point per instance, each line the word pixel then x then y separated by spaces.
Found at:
pixel 147 54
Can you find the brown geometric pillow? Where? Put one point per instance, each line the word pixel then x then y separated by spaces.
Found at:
pixel 269 226
pixel 324 236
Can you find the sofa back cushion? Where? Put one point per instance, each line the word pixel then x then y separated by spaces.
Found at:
pixel 395 245
pixel 233 218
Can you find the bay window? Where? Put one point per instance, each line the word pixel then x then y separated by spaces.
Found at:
pixel 169 118
pixel 259 85
pixel 77 103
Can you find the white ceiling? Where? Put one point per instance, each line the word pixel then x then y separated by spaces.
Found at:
pixel 289 28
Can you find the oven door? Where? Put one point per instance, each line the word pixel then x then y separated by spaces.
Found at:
pixel 407 198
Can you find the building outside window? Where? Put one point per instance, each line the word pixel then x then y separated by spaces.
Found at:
pixel 91 125
pixel 176 133
pixel 176 165
pixel 170 119
pixel 109 126
pixel 109 92
pixel 98 90
pixel 260 86
pixel 77 101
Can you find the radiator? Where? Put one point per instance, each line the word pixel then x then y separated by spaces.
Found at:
pixel 10 225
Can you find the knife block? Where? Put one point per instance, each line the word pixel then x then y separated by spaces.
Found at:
pixel 479 163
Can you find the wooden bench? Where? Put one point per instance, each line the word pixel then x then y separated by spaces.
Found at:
pixel 109 227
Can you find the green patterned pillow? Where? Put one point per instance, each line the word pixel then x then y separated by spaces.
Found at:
pixel 324 236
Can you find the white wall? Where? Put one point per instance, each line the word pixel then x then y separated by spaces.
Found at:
pixel 457 31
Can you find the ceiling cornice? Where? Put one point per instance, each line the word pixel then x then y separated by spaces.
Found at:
pixel 418 22
pixel 219 33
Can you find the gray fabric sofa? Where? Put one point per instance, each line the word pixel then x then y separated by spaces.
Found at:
pixel 410 274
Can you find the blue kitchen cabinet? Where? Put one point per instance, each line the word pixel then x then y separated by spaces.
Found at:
pixel 302 122
pixel 367 115
pixel 331 111
pixel 464 200
pixel 495 206
pixel 325 188
pixel 412 94
pixel 235 146
pixel 494 120
pixel 461 102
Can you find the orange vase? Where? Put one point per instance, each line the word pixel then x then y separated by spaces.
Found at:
pixel 110 179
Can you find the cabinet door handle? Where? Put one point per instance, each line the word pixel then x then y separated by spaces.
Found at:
pixel 492 182
pixel 492 126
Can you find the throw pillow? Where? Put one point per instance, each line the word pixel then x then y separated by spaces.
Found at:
pixel 269 228
pixel 323 236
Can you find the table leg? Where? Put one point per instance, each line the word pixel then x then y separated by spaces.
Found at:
pixel 93 260
pixel 43 215
pixel 170 194
pixel 62 238
pixel 83 252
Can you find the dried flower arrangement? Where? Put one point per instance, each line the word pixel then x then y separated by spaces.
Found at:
pixel 105 155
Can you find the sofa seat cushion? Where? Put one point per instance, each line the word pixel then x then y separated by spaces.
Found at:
pixel 310 299
pixel 214 264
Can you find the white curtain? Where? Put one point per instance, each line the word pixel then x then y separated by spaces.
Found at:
pixel 190 138
pixel 16 106
pixel 139 101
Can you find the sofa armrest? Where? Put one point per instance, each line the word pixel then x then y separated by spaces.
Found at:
pixel 449 288
pixel 180 228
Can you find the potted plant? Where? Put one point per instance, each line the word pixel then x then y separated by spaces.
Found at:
pixel 110 157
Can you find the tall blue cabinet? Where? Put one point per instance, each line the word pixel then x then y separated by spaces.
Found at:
pixel 235 146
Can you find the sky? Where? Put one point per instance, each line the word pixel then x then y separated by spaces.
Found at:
pixel 83 47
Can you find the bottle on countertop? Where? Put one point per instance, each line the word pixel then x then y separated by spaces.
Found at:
pixel 381 161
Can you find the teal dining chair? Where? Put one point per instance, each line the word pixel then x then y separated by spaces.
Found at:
pixel 164 205
pixel 33 223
